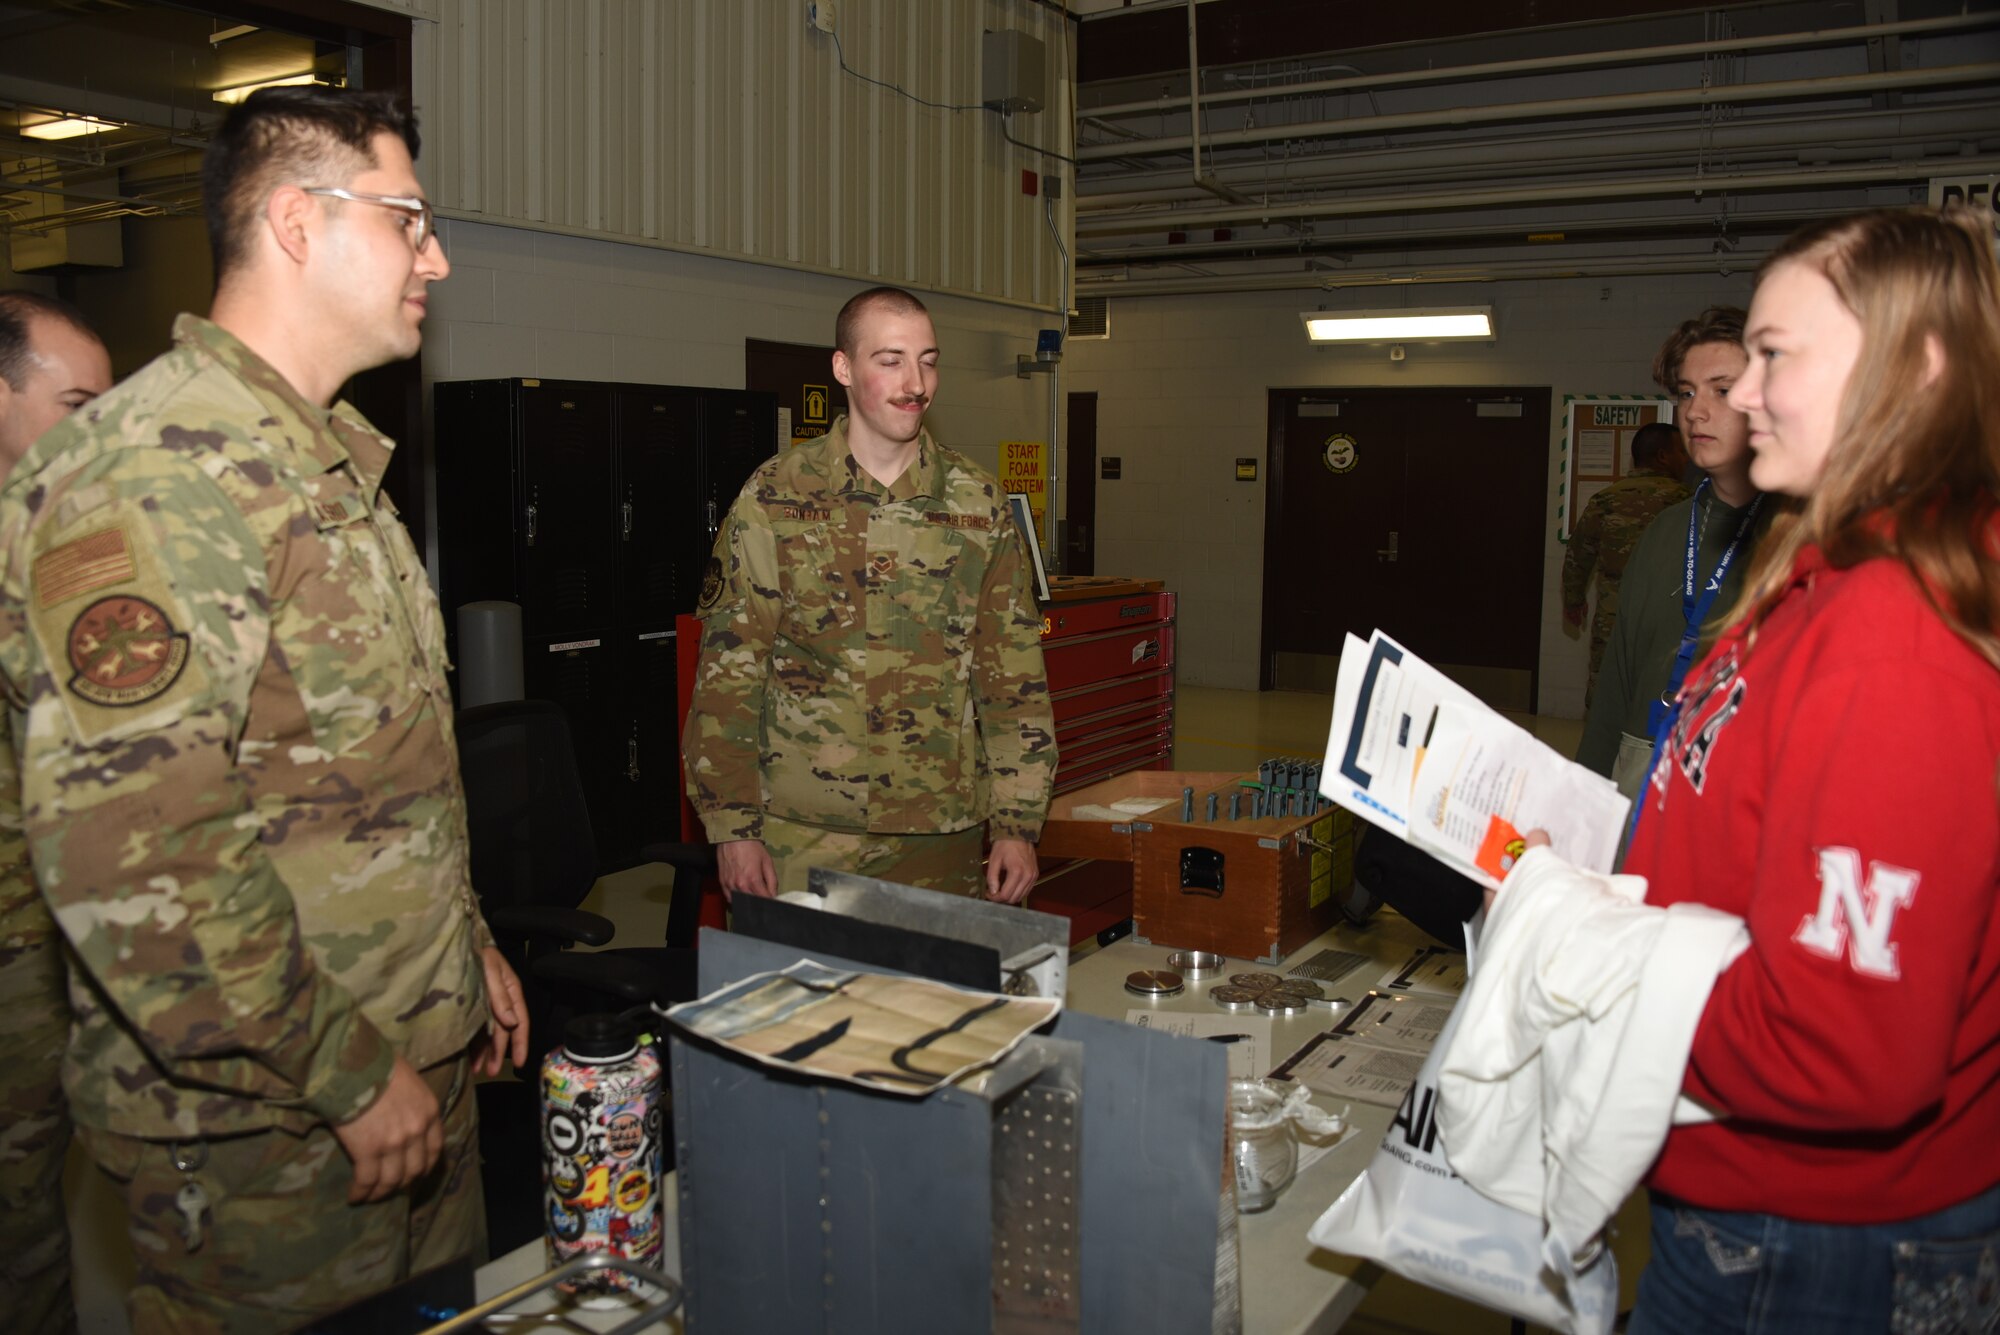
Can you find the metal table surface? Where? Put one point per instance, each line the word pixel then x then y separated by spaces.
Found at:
pixel 1289 1286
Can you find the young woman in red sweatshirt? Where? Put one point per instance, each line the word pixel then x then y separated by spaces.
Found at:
pixel 1830 777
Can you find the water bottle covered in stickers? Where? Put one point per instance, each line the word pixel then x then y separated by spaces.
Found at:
pixel 601 1147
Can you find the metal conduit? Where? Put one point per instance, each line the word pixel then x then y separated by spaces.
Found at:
pixel 1847 129
pixel 1571 229
pixel 1836 85
pixel 1581 60
pixel 1743 262
pixel 1592 189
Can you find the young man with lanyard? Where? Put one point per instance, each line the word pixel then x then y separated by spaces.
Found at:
pixel 1687 568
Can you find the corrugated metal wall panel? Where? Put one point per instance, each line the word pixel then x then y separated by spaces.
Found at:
pixel 728 127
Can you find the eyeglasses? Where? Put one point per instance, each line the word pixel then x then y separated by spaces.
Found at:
pixel 419 209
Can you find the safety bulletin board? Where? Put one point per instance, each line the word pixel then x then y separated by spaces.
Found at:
pixel 1596 445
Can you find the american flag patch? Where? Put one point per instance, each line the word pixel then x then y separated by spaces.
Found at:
pixel 93 561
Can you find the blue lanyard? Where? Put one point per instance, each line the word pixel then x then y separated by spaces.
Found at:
pixel 1663 712
pixel 1695 606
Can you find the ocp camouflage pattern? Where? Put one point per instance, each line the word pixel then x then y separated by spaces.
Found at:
pixel 871 656
pixel 226 672
pixel 1603 539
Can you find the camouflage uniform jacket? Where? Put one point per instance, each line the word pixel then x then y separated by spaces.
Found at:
pixel 872 655
pixel 25 925
pixel 226 674
pixel 1609 528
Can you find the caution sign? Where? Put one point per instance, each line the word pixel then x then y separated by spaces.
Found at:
pixel 1024 467
pixel 815 401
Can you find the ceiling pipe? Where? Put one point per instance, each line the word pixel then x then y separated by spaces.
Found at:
pixel 1584 60
pixel 1834 85
pixel 1844 128
pixel 1704 224
pixel 1743 262
pixel 1583 190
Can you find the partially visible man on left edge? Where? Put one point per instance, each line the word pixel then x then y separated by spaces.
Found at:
pixel 225 668
pixel 51 363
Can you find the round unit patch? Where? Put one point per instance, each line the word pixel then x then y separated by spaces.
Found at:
pixel 711 582
pixel 1340 455
pixel 123 651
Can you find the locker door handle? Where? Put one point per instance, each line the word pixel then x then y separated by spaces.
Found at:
pixel 627 507
pixel 531 524
pixel 711 519
pixel 632 758
pixel 1388 553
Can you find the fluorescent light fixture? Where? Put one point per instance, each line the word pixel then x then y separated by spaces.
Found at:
pixel 241 91
pixel 68 127
pixel 1416 325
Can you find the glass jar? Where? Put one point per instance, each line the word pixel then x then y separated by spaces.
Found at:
pixel 1261 1144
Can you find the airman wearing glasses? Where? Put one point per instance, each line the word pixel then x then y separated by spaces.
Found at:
pixel 240 784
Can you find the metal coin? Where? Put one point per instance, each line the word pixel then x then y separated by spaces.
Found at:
pixel 1280 1003
pixel 1300 987
pixel 1234 998
pixel 1259 981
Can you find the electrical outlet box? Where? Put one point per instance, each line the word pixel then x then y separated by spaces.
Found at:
pixel 819 14
pixel 1014 71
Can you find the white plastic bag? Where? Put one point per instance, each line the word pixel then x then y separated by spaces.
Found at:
pixel 1411 1213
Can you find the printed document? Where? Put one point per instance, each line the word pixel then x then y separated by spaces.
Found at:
pixel 1416 754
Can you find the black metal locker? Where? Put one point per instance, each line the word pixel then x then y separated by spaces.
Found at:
pixel 569 552
pixel 581 674
pixel 649 757
pixel 662 523
pixel 594 506
pixel 739 431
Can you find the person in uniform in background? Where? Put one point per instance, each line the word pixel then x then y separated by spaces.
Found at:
pixel 226 672
pixel 870 692
pixel 51 363
pixel 1687 567
pixel 1610 527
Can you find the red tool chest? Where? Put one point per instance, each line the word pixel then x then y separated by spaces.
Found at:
pixel 1109 650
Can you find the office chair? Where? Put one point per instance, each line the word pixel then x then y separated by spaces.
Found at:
pixel 534 858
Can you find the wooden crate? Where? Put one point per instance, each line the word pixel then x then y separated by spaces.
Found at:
pixel 1066 836
pixel 1275 892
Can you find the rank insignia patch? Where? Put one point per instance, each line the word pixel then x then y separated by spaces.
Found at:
pixel 711 583
pixel 124 651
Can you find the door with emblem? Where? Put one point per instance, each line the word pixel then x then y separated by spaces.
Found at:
pixel 1418 511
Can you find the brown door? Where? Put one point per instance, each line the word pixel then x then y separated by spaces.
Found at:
pixel 1416 511
pixel 801 375
pixel 1079 553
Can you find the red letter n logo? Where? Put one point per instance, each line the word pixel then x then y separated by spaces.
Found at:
pixel 1857 916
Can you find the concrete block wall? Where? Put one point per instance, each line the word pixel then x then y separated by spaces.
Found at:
pixel 523 303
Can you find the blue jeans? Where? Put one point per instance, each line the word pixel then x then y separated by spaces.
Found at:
pixel 1715 1271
